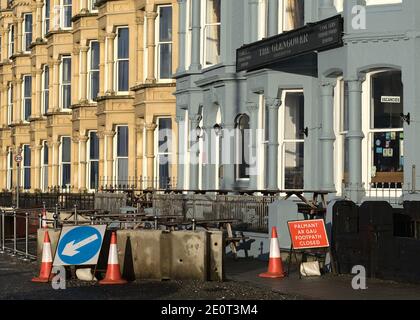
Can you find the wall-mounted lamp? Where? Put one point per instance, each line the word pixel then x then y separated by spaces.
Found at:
pixel 406 118
pixel 305 132
pixel 199 132
pixel 218 129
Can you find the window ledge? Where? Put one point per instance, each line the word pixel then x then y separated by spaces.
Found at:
pixel 153 85
pixel 84 15
pixel 115 96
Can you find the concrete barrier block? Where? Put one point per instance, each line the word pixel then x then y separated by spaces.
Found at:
pixel 216 256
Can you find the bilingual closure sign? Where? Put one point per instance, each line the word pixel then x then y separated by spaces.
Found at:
pixel 320 36
pixel 308 234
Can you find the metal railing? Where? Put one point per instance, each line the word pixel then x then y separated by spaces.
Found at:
pixel 112 184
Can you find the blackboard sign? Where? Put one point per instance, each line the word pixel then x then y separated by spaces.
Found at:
pixel 320 36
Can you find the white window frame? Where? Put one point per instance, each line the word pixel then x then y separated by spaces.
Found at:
pixel 44 167
pixel 204 26
pixel 89 163
pixel 11 40
pixel 61 162
pixel 9 168
pixel 157 153
pixel 62 15
pixel 10 108
pixel 24 99
pixel 158 44
pixel 116 157
pixel 25 34
pixel 116 60
pixel 283 141
pixel 45 19
pixel 23 168
pixel 45 89
pixel 63 84
pixel 90 71
pixel 91 6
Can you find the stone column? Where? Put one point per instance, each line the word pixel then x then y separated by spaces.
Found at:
pixel 102 179
pixel 37 103
pixel 253 20
pixel 327 136
pixel 139 152
pixel 18 44
pixel 273 17
pixel 17 107
pixel 3 171
pixel 110 63
pixel 182 32
pixel 76 91
pixel 38 35
pixel 75 164
pixel 101 41
pixel 84 6
pixel 273 144
pixel 194 153
pixel 355 137
pixel 140 47
pixel 109 140
pixel 3 102
pixel 56 84
pixel 253 165
pixel 181 152
pixel 83 74
pixel 151 17
pixel 55 163
pixel 196 30
pixel 150 153
pixel 83 163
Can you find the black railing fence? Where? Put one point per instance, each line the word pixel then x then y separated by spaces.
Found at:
pixel 136 183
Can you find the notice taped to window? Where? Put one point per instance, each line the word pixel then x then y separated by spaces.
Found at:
pixel 308 234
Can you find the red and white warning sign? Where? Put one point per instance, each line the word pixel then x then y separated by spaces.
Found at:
pixel 308 234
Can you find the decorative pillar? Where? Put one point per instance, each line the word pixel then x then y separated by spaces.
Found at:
pixel 253 165
pixel 194 153
pixel 76 91
pixel 151 16
pixel 196 30
pixel 355 136
pixel 38 35
pixel 139 152
pixel 19 39
pixel 83 163
pixel 182 32
pixel 327 136
pixel 83 74
pixel 84 6
pixel 150 153
pixel 56 85
pixel 273 144
pixel 101 41
pixel 110 63
pixel 140 46
pixel 109 140
pixel 273 17
pixel 253 20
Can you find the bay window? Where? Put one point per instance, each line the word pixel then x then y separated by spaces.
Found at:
pixel 93 68
pixel 26 169
pixel 65 82
pixel 66 13
pixel 27 97
pixel 121 155
pixel 65 161
pixel 27 36
pixel 45 89
pixel 211 33
pixel 44 166
pixel 93 161
pixel 121 61
pixel 164 152
pixel 164 42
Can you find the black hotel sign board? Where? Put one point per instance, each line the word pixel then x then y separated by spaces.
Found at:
pixel 320 36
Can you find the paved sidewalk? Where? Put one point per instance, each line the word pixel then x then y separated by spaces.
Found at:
pixel 328 287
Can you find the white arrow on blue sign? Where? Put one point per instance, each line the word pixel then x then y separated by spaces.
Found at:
pixel 79 245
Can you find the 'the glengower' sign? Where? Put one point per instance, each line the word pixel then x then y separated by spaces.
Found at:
pixel 320 36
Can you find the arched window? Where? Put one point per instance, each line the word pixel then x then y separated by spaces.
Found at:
pixel 242 146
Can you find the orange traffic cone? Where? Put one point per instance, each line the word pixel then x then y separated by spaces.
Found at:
pixel 46 264
pixel 44 218
pixel 275 265
pixel 113 273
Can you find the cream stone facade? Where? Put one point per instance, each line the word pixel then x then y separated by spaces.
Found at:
pixel 84 89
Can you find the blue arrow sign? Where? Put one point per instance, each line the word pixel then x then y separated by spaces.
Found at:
pixel 79 245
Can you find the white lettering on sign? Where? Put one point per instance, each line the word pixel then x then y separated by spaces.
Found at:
pixel 390 99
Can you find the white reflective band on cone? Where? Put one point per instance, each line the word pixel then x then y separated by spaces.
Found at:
pixel 46 252
pixel 113 256
pixel 274 249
